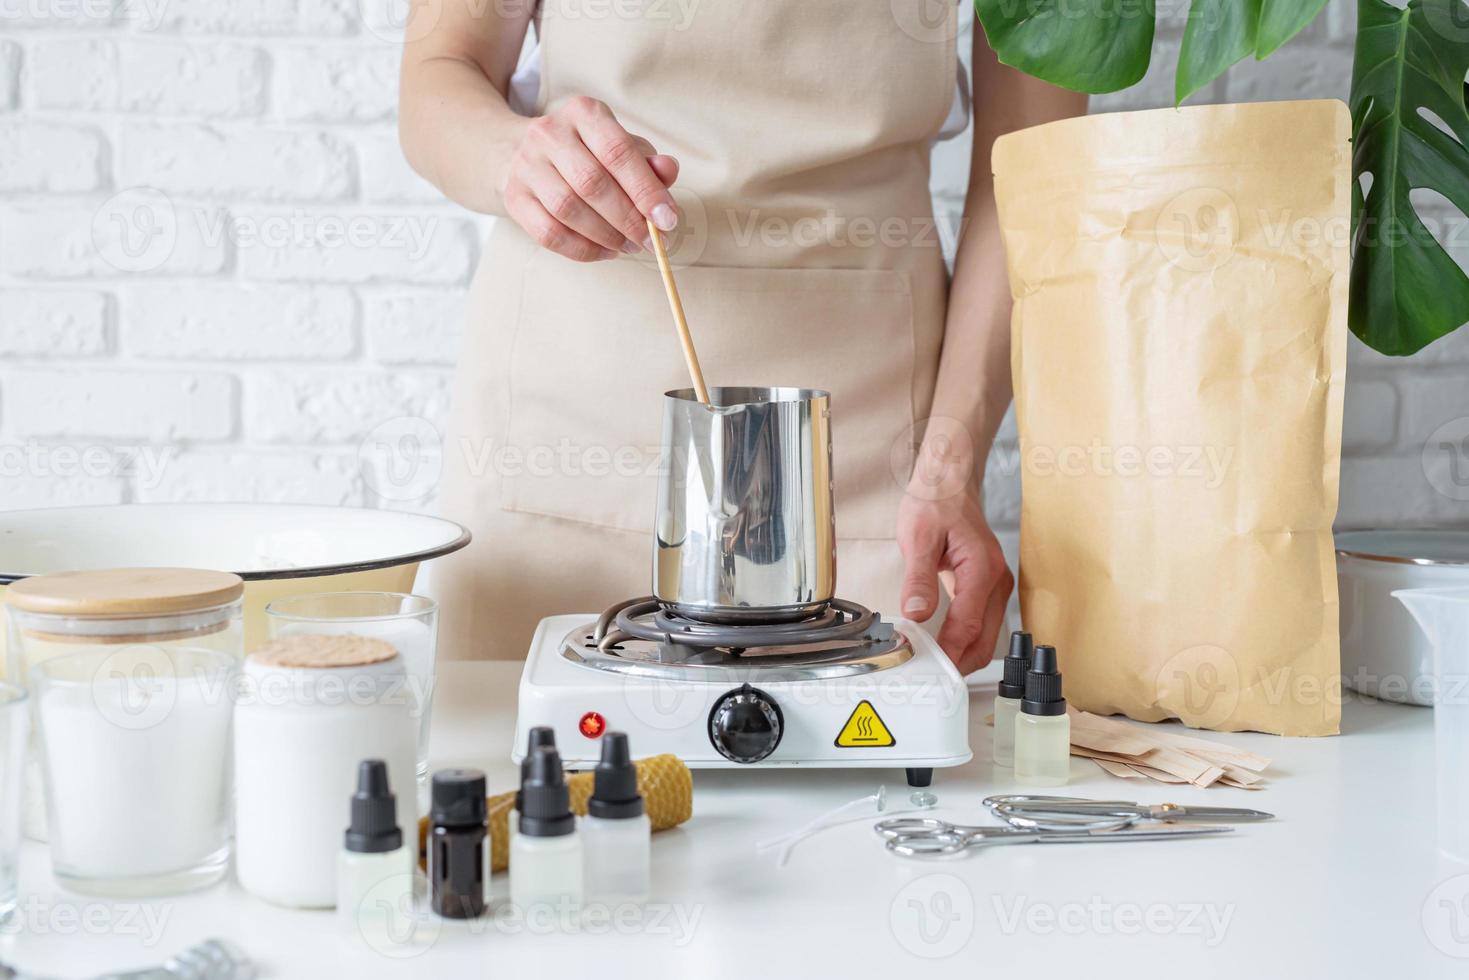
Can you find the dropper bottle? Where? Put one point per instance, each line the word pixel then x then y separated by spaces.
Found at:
pixel 1009 695
pixel 538 736
pixel 616 832
pixel 374 869
pixel 546 855
pixel 1043 729
pixel 458 854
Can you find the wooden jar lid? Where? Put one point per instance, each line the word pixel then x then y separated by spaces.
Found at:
pixel 125 592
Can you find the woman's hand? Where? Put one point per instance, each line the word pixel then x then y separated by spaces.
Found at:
pixel 584 187
pixel 949 533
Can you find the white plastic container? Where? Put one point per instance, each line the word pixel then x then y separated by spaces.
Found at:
pixel 546 874
pixel 310 709
pixel 1043 749
pixel 1443 615
pixel 618 857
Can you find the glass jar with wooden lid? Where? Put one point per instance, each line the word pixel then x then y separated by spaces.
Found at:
pixel 70 612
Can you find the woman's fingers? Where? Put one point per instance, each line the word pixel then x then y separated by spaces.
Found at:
pixel 568 207
pixel 586 188
pixel 528 212
pixel 618 152
pixel 982 650
pixel 923 548
pixel 595 185
pixel 665 166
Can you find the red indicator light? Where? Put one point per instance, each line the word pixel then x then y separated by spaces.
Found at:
pixel 592 725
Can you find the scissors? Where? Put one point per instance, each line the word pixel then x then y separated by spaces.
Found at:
pixel 932 837
pixel 1053 813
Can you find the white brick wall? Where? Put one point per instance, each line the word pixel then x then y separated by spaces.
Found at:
pixel 213 254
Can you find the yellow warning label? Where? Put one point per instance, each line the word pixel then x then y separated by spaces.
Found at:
pixel 864 730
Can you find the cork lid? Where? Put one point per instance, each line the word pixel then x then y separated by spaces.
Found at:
pixel 323 650
pixel 125 592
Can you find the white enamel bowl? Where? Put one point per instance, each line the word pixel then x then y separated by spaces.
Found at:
pixel 1383 652
pixel 278 549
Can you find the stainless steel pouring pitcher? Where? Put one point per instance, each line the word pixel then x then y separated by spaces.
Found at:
pixel 745 528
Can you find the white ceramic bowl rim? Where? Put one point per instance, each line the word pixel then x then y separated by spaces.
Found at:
pixel 260 541
pixel 1416 546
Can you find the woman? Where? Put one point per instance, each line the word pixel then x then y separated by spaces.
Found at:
pixel 785 149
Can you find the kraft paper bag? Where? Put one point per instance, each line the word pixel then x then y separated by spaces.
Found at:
pixel 1179 357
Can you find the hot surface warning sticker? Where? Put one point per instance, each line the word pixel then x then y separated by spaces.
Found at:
pixel 864 730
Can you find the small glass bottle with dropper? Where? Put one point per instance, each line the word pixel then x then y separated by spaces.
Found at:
pixel 1043 729
pixel 458 854
pixel 616 830
pixel 374 869
pixel 538 736
pixel 546 855
pixel 1009 695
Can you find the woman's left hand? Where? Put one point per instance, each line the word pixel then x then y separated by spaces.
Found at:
pixel 950 534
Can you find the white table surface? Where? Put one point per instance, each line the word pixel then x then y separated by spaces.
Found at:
pixel 1346 883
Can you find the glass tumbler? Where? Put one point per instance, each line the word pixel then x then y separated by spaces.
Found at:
pixel 409 623
pixel 135 756
pixel 15 731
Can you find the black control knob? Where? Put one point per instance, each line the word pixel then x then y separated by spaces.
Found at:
pixel 745 725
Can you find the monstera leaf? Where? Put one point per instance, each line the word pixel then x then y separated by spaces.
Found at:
pixel 1100 46
pixel 1410 128
pixel 1084 45
pixel 1222 32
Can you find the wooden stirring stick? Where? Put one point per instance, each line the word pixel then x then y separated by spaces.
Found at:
pixel 676 305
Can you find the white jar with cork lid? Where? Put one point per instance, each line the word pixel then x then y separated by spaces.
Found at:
pixel 310 708
pixel 185 609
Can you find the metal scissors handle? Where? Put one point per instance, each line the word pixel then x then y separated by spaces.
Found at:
pixel 1070 812
pixel 931 837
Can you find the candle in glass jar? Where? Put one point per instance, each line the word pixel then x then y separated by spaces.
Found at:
pixel 135 751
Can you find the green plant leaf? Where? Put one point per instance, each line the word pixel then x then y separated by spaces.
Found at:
pixel 1406 291
pixel 1281 20
pixel 1089 46
pixel 1218 33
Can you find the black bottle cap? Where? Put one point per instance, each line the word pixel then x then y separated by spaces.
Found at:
pixel 539 736
pixel 545 802
pixel 615 786
pixel 374 828
pixel 1017 662
pixel 1043 685
pixel 458 798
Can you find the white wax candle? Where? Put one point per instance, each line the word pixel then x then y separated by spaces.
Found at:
pixel 137 774
pixel 414 640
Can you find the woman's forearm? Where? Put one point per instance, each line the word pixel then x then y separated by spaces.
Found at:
pixel 459 133
pixel 454 121
pixel 974 388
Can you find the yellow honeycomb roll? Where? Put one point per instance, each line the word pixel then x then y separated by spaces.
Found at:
pixel 665 782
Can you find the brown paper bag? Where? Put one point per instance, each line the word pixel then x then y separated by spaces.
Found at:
pixel 1179 356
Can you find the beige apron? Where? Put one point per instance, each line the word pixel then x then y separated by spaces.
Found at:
pixel 807 255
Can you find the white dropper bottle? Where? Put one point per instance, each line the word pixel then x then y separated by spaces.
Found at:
pixel 616 832
pixel 1008 696
pixel 1043 729
pixel 374 868
pixel 546 871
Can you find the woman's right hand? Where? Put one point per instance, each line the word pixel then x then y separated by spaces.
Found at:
pixel 584 187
